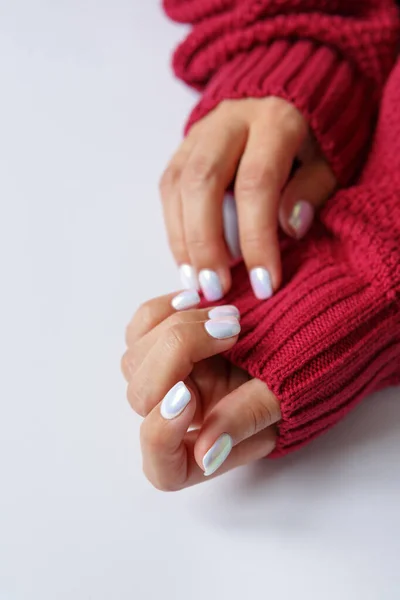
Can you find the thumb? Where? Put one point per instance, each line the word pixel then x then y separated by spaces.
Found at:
pixel 306 192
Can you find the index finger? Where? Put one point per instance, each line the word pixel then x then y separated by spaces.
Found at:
pixel 171 358
pixel 264 169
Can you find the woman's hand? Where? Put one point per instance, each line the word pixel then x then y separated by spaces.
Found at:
pixel 255 143
pixel 178 380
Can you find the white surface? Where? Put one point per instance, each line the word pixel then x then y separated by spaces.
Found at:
pixel 89 115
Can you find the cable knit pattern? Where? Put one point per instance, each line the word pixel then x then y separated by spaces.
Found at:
pixel 330 58
pixel 331 335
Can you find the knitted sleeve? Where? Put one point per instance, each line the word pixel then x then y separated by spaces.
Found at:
pixel 331 335
pixel 330 58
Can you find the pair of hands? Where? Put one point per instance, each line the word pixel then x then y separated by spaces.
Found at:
pixel 255 143
pixel 202 415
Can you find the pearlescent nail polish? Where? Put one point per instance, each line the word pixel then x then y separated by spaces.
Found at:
pixel 301 218
pixel 186 299
pixel 224 311
pixel 210 284
pixel 223 327
pixel 175 401
pixel 261 283
pixel 217 454
pixel 188 277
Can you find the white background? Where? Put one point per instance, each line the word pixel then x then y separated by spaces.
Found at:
pixel 89 114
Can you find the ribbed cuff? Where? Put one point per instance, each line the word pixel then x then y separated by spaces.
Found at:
pixel 326 340
pixel 336 102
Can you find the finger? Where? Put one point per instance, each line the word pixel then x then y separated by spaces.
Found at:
pixel 138 348
pixel 173 356
pixel 307 191
pixel 162 436
pixel 168 451
pixel 263 172
pixel 148 316
pixel 173 212
pixel 207 174
pixel 153 312
pixel 242 414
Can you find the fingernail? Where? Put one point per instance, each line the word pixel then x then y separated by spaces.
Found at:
pixel 301 218
pixel 224 311
pixel 210 284
pixel 217 454
pixel 261 283
pixel 188 277
pixel 175 401
pixel 223 328
pixel 185 300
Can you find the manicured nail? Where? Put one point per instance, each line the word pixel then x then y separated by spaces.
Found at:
pixel 175 401
pixel 217 454
pixel 188 277
pixel 186 299
pixel 210 285
pixel 301 218
pixel 223 327
pixel 261 283
pixel 224 311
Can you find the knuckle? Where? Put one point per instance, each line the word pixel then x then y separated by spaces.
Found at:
pixel 126 365
pixel 178 247
pixel 286 115
pixel 137 400
pixel 258 418
pixel 145 315
pixel 203 247
pixel 255 178
pixel 174 337
pixel 260 238
pixel 169 179
pixel 199 172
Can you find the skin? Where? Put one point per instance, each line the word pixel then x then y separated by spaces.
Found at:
pixel 253 143
pixel 224 399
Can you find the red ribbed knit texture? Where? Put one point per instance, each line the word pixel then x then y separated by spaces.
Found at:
pixel 330 58
pixel 331 335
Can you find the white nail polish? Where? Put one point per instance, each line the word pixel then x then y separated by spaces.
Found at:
pixel 175 401
pixel 224 311
pixel 186 299
pixel 217 454
pixel 223 327
pixel 210 284
pixel 261 283
pixel 301 218
pixel 188 277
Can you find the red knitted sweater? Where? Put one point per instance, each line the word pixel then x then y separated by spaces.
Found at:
pixel 331 335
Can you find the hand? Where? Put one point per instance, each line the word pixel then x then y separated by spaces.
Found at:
pixel 254 142
pixel 177 380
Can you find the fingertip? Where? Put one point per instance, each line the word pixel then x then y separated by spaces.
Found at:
pixel 186 299
pixel 188 277
pixel 305 193
pixel 223 328
pixel 175 401
pixel 215 284
pixel 299 220
pixel 265 282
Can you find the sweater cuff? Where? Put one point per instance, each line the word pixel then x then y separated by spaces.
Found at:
pixel 326 340
pixel 338 104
